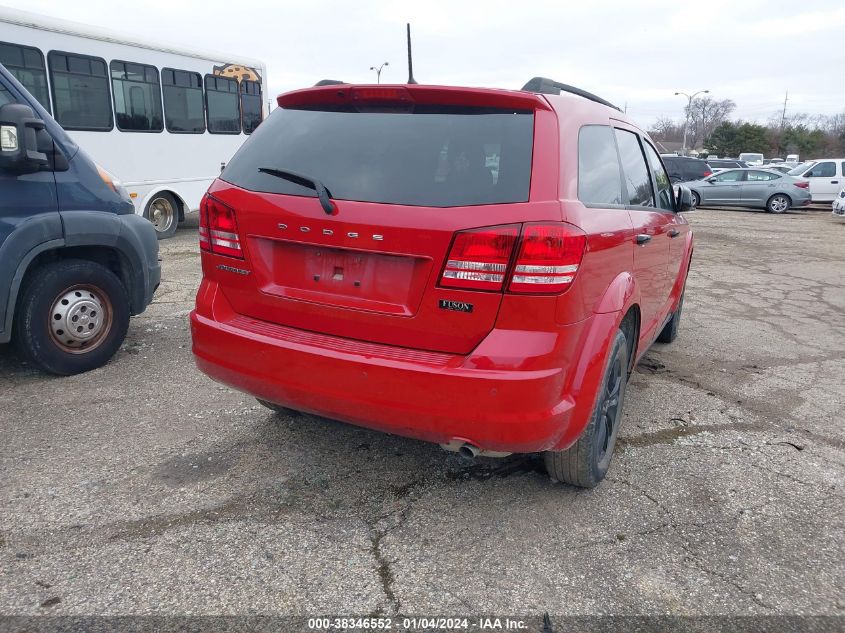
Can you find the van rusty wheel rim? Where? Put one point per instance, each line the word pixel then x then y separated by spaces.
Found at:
pixel 80 318
pixel 162 214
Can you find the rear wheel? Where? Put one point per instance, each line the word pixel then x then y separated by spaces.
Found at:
pixel 585 464
pixel 778 203
pixel 72 317
pixel 163 213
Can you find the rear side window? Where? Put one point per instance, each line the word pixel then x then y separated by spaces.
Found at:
pixel 222 105
pixel 80 92
pixel 822 170
pixel 761 176
pixel 437 156
pixel 184 109
pixel 27 65
pixel 137 97
pixel 637 180
pixel 599 180
pixel 695 169
pixel 250 105
pixel 665 198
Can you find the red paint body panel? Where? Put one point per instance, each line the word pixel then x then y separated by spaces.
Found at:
pixel 351 328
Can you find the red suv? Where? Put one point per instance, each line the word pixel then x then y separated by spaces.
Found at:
pixel 473 267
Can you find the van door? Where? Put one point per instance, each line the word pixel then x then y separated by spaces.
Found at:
pixel 650 227
pixel 678 226
pixel 24 196
pixel 825 180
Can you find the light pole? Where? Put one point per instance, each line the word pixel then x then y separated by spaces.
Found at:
pixel 688 108
pixel 378 71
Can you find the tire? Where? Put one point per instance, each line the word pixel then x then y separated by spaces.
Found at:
pixel 163 213
pixel 670 331
pixel 586 462
pixel 778 203
pixel 277 408
pixel 696 200
pixel 72 317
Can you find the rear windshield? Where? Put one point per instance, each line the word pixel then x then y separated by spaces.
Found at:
pixel 434 156
pixel 696 169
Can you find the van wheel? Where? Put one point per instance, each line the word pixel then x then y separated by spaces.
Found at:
pixel 277 408
pixel 163 212
pixel 778 203
pixel 72 317
pixel 670 331
pixel 586 462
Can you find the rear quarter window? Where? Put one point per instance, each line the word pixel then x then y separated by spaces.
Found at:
pixel 438 156
pixel 599 179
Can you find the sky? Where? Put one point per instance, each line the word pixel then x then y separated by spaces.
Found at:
pixel 636 54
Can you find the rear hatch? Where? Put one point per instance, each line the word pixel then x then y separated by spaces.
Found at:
pixel 407 168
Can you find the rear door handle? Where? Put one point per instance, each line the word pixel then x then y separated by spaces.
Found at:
pixel 642 238
pixel 834 182
pixel 674 232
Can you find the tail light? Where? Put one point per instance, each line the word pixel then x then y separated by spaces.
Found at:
pixel 549 256
pixel 707 174
pixel 802 184
pixel 479 258
pixel 218 228
pixel 547 260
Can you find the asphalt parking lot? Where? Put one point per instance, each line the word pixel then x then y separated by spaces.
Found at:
pixel 144 487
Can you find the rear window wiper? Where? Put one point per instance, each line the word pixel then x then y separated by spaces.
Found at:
pixel 323 193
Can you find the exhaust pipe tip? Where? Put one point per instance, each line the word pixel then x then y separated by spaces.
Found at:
pixel 468 451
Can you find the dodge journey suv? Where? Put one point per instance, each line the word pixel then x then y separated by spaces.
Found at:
pixel 473 267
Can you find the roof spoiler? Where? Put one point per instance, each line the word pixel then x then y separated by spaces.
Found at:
pixel 552 87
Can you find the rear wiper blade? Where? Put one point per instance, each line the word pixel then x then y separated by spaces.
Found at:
pixel 323 193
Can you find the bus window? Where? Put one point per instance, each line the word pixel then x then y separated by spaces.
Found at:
pixel 27 65
pixel 222 105
pixel 184 111
pixel 80 87
pixel 250 105
pixel 137 97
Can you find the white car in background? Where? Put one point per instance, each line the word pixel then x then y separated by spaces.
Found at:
pixel 839 204
pixel 752 159
pixel 826 176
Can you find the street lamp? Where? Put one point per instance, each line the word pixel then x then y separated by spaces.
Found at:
pixel 378 71
pixel 688 108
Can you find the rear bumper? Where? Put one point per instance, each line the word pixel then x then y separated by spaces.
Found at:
pixel 517 392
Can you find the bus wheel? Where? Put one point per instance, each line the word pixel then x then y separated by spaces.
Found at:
pixel 163 212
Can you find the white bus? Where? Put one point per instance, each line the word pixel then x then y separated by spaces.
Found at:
pixel 162 118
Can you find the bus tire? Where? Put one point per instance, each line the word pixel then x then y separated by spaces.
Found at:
pixel 163 212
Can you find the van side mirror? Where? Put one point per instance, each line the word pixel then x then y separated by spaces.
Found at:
pixel 683 199
pixel 18 142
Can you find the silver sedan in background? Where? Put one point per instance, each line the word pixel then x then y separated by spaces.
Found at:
pixel 754 187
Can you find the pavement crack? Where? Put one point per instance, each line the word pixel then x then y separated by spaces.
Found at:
pixel 382 524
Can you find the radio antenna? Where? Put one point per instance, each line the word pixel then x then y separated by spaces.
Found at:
pixel 411 79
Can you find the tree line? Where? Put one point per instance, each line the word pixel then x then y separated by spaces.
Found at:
pixel 709 128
